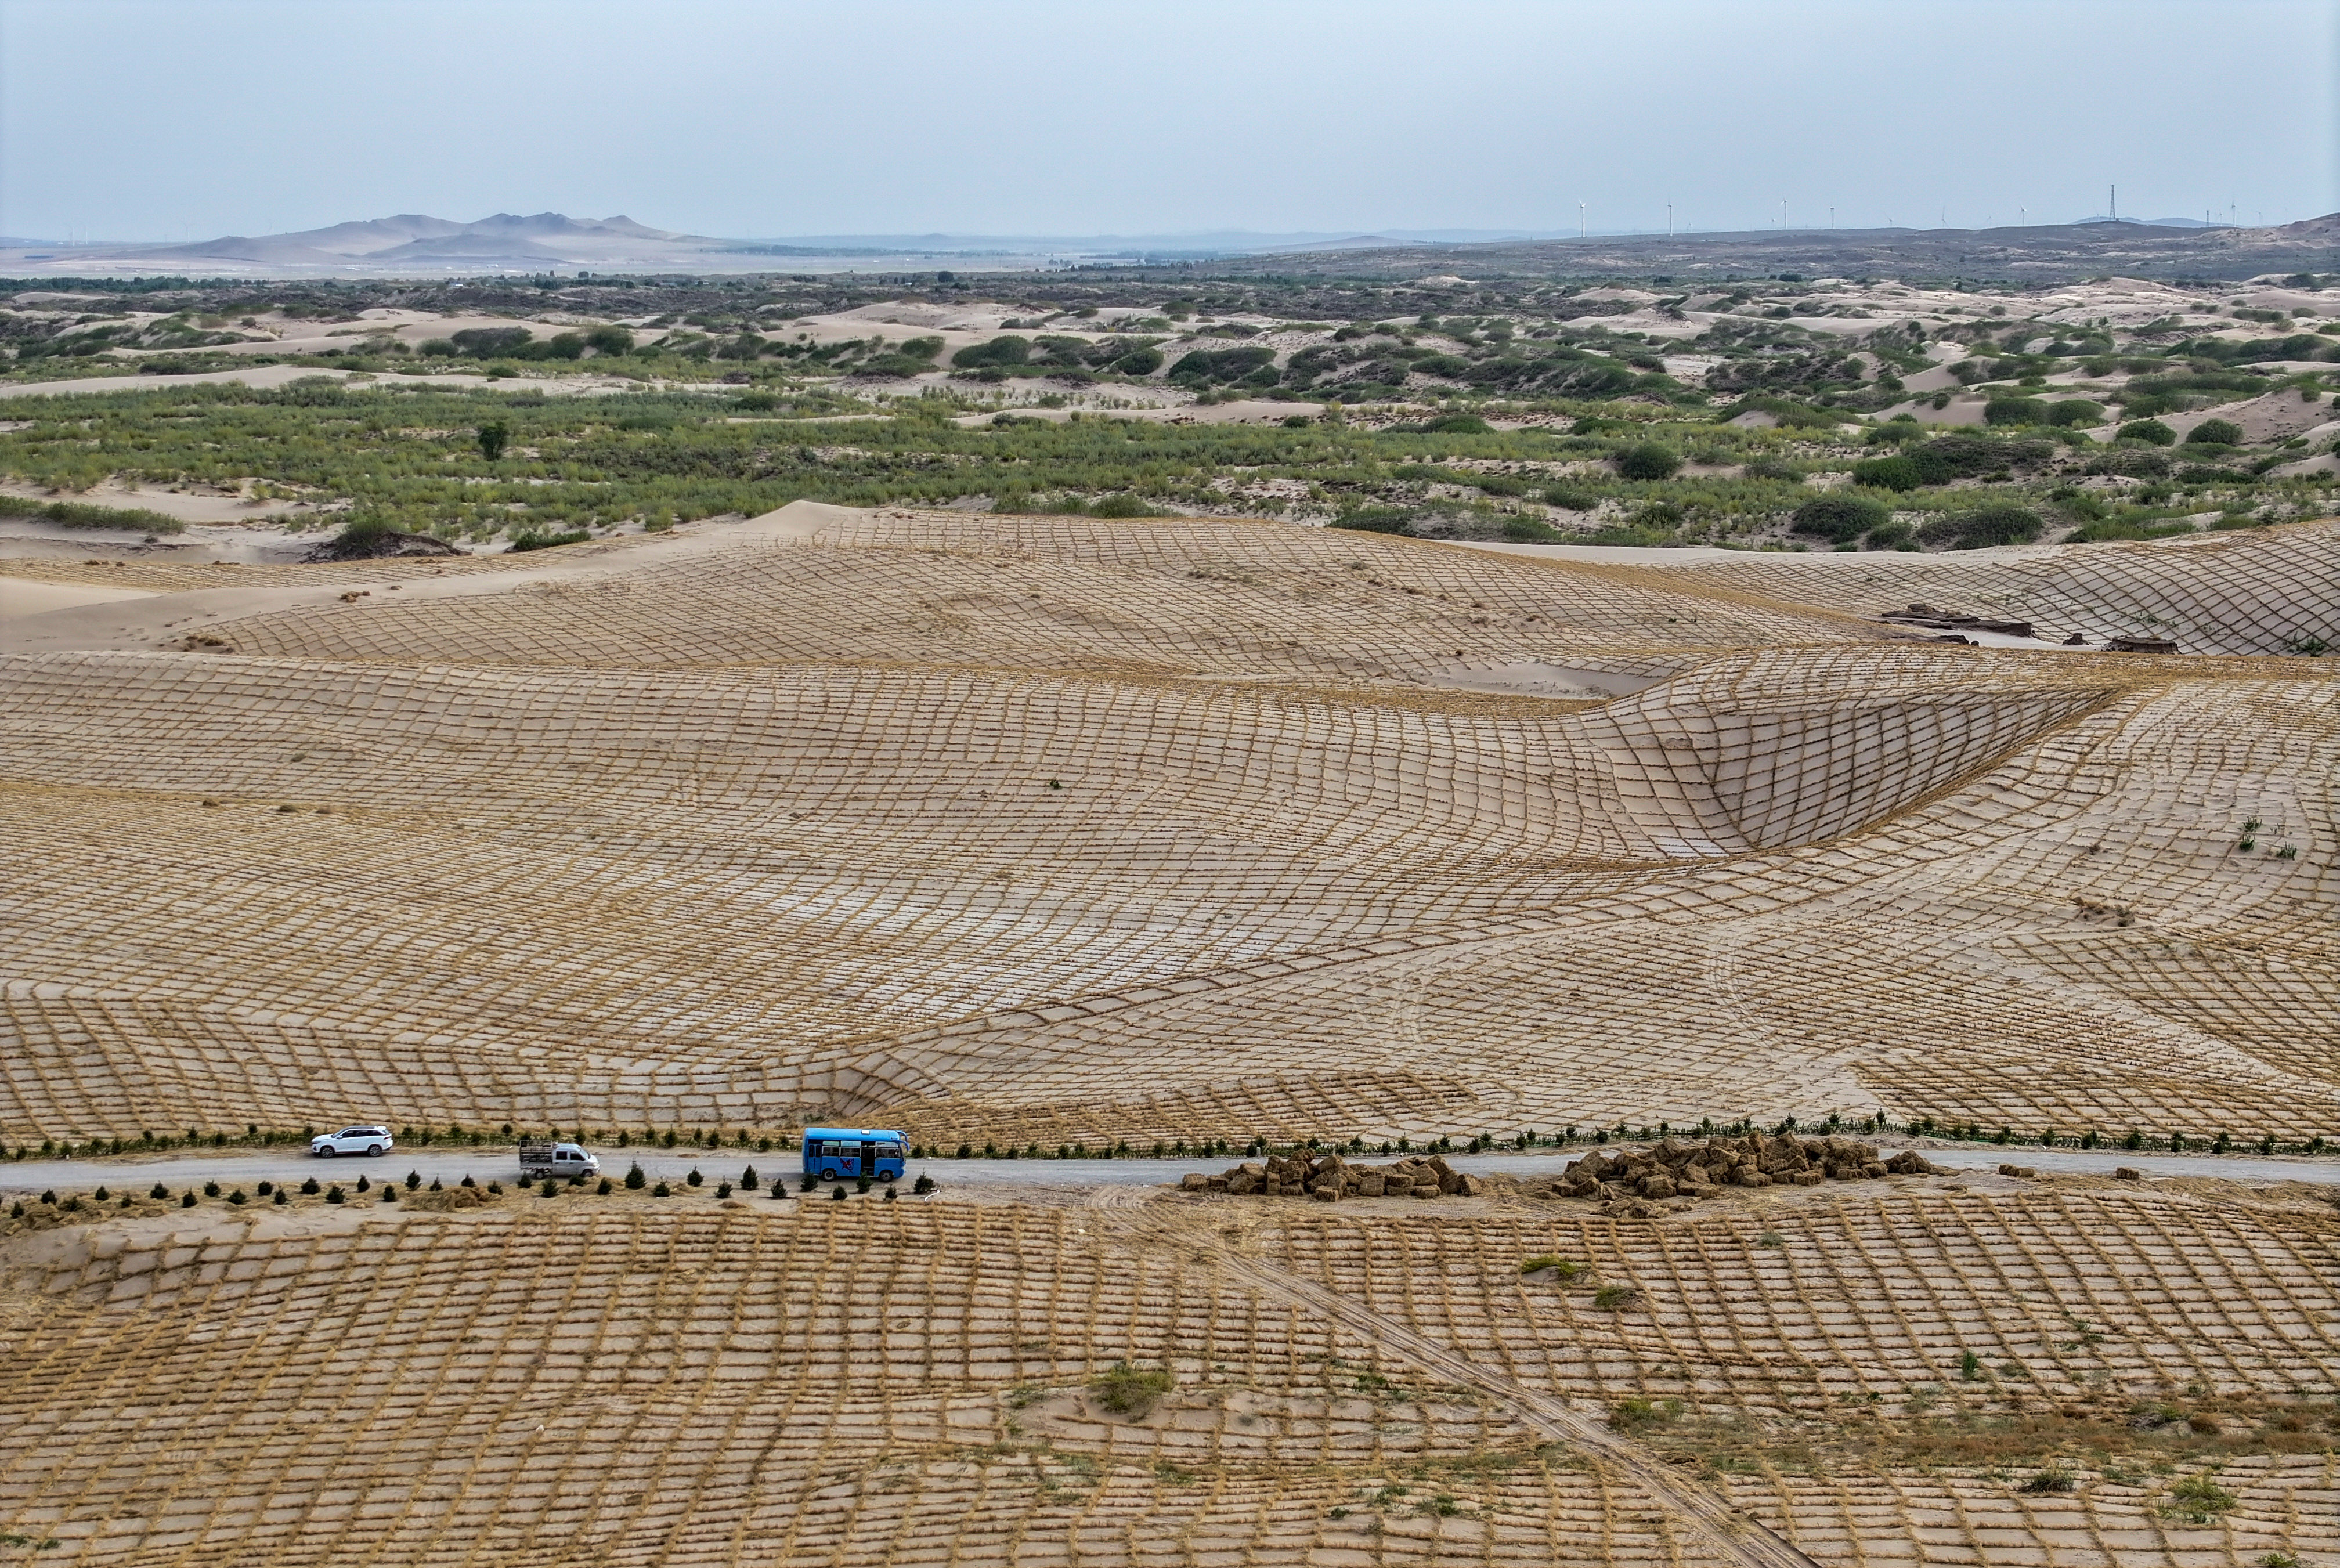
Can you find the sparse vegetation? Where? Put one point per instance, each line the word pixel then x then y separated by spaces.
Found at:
pixel 85 515
pixel 2199 1499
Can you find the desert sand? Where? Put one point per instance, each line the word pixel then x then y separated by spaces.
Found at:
pixel 1064 831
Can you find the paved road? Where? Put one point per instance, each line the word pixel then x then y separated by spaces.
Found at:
pixel 244 1167
pixel 2103 1162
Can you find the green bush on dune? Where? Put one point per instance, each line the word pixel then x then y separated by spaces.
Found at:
pixel 1895 472
pixel 1839 518
pixel 81 514
pixel 1647 461
pixel 1983 528
pixel 1001 351
pixel 2214 432
pixel 2015 411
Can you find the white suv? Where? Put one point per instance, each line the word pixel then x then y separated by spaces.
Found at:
pixel 363 1140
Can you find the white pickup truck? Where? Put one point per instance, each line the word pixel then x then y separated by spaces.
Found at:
pixel 558 1160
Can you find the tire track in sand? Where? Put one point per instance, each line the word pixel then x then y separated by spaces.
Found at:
pixel 1738 1536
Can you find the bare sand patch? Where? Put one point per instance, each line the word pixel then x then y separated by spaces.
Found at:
pixel 19 599
pixel 199 505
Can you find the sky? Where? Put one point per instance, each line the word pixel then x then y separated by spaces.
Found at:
pixel 187 119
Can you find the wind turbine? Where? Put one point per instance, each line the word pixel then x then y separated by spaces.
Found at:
pixel 1580 220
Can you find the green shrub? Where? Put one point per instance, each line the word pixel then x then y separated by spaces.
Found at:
pixel 1894 535
pixel 1896 473
pixel 1127 1391
pixel 2015 411
pixel 2199 1499
pixel 2214 432
pixel 1839 518
pixel 2050 1481
pixel 491 342
pixel 1616 1298
pixel 635 1179
pixel 1986 526
pixel 1122 504
pixel 2150 431
pixel 1569 499
pixel 1202 367
pixel 2076 411
pixel 1647 461
pixel 999 351
pixel 610 341
pixel 529 539
pixel 1375 520
pixel 1553 1261
pixel 493 436
pixel 1143 362
pixel 2105 530
pixel 1949 457
pixel 1459 424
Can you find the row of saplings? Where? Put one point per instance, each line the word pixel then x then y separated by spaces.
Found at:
pixel 1670 1170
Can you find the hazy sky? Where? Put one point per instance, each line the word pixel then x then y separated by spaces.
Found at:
pixel 182 119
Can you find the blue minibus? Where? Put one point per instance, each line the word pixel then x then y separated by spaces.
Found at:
pixel 833 1153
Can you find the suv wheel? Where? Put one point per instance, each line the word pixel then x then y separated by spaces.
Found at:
pixel 326 1151
pixel 374 1149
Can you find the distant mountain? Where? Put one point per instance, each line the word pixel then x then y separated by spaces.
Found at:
pixel 416 244
pixel 415 241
